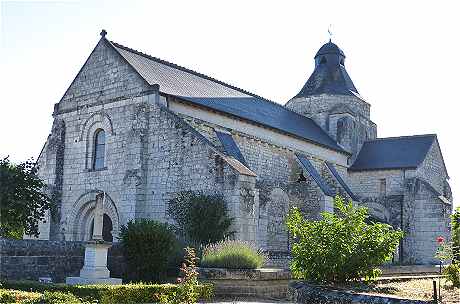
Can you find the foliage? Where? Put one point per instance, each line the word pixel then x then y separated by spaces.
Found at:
pixel 200 218
pixel 232 254
pixel 105 294
pixel 22 201
pixel 147 247
pixel 452 274
pixel 340 247
pixel 48 297
pixel 188 288
pixel 444 251
pixel 17 296
pixel 455 220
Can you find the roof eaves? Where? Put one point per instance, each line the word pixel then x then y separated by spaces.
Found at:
pixel 352 169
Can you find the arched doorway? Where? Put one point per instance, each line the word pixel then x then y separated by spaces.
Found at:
pixel 107 228
pixel 82 217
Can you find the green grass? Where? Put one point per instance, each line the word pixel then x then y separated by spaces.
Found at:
pixel 233 255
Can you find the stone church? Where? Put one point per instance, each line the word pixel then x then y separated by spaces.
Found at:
pixel 141 129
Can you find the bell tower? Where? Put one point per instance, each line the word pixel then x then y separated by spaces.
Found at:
pixel 331 99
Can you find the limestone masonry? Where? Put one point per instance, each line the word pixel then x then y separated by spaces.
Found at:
pixel 141 129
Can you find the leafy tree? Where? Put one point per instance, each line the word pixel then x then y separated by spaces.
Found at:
pixel 199 217
pixel 23 202
pixel 340 247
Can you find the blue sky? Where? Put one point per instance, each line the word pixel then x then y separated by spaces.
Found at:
pixel 401 55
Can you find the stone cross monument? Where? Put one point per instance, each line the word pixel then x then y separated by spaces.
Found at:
pixel 95 270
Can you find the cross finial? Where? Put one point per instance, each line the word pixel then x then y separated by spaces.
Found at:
pixel 329 30
pixel 103 33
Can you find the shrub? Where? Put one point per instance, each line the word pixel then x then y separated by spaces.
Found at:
pixel 17 296
pixel 106 294
pixel 200 218
pixel 452 274
pixel 339 247
pixel 188 289
pixel 232 254
pixel 147 247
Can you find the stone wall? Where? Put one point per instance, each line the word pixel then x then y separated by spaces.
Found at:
pixel 104 76
pixel 433 169
pixel 32 259
pixel 345 118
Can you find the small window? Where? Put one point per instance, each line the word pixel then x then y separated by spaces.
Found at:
pixel 99 149
pixel 323 60
pixel 342 61
pixel 383 187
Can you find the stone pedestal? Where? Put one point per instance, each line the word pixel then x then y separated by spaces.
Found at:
pixel 94 270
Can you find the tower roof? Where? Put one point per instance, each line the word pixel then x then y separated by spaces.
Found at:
pixel 329 48
pixel 330 75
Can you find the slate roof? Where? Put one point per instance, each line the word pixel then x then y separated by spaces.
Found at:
pixel 208 92
pixel 344 185
pixel 329 77
pixel 231 147
pixel 307 165
pixel 329 48
pixel 406 152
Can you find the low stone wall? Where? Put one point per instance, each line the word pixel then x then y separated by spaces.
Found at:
pixel 306 293
pixel 32 259
pixel 261 283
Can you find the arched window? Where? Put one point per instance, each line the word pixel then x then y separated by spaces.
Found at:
pixel 323 60
pixel 99 149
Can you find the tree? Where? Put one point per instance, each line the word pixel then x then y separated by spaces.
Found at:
pixel 23 203
pixel 341 247
pixel 199 217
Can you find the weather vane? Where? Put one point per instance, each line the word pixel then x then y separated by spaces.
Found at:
pixel 329 30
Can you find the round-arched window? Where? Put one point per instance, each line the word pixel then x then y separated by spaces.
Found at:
pixel 99 149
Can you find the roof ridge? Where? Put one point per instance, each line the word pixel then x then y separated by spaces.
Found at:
pixel 401 137
pixel 176 66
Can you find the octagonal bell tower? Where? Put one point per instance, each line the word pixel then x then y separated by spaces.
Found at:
pixel 331 99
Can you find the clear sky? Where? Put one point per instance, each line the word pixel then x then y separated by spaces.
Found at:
pixel 403 56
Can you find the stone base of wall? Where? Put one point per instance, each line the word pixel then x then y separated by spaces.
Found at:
pixel 305 293
pixel 260 283
pixel 409 270
pixel 32 259
pixel 278 259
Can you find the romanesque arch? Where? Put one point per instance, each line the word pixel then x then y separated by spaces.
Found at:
pixel 82 216
pixel 97 121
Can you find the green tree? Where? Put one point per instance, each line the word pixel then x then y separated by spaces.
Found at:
pixel 199 217
pixel 340 247
pixel 23 202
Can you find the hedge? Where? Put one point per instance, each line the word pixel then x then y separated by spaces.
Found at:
pixel 128 293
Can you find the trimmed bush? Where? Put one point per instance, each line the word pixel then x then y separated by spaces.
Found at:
pixel 148 247
pixel 106 294
pixel 18 296
pixel 200 218
pixel 341 247
pixel 232 254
